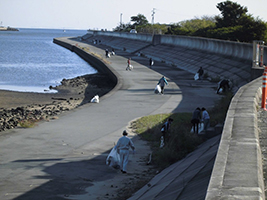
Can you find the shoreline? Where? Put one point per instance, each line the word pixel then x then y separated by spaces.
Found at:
pixel 16 107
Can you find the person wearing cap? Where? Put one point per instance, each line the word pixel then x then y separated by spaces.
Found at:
pixel 123 146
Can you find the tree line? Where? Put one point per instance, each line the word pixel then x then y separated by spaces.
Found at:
pixel 234 24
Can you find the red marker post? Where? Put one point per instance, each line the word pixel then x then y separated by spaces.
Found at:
pixel 264 89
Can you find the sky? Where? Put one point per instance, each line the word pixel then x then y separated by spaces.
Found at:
pixel 107 14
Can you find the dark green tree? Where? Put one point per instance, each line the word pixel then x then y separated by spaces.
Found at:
pixel 231 13
pixel 139 20
pixel 123 27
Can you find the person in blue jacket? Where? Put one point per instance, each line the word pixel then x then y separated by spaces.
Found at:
pixel 162 83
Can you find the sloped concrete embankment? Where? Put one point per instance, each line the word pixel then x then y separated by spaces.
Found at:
pixel 237 173
pixel 219 59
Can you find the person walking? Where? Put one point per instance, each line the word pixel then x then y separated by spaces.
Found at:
pixel 162 83
pixel 164 130
pixel 123 146
pixel 129 67
pixel 205 118
pixel 196 119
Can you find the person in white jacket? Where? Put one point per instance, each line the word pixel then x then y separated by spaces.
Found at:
pixel 205 118
pixel 123 146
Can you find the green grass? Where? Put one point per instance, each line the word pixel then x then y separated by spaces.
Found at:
pixel 29 123
pixel 181 142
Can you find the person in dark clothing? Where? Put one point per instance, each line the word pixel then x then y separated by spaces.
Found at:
pixel 196 119
pixel 224 84
pixel 107 53
pixel 200 72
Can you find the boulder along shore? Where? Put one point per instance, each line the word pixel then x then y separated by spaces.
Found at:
pixel 17 108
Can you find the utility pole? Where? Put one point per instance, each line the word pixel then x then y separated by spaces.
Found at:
pixel 153 13
pixel 121 21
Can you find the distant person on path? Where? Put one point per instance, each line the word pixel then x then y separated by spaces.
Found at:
pixel 162 83
pixel 113 52
pixel 107 53
pixel 205 118
pixel 151 62
pixel 196 119
pixel 123 146
pixel 164 130
pixel 223 84
pixel 200 73
pixel 129 66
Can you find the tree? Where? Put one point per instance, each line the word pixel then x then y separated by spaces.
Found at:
pixel 123 28
pixel 254 29
pixel 139 20
pixel 153 29
pixel 231 14
pixel 190 27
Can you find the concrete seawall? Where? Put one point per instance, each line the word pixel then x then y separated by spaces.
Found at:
pixel 237 172
pixel 94 61
pixel 220 59
pixel 223 47
pixel 234 49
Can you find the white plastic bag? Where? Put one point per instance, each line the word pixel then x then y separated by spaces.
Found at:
pixel 113 159
pixel 196 77
pixel 95 99
pixel 161 142
pixel 200 128
pixel 157 89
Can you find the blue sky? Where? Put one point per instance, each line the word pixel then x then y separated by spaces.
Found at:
pixel 107 14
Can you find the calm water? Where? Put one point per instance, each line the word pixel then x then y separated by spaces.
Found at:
pixel 30 61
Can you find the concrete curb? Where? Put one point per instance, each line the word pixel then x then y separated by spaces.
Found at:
pixel 95 62
pixel 237 172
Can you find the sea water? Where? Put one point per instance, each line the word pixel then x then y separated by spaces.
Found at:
pixel 31 62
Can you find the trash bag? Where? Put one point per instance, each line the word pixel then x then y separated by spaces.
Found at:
pixel 157 90
pixel 200 128
pixel 113 159
pixel 161 142
pixel 196 77
pixel 95 99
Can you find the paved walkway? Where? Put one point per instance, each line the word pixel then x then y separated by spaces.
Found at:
pixel 57 157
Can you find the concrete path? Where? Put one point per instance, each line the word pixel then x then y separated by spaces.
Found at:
pixel 62 156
